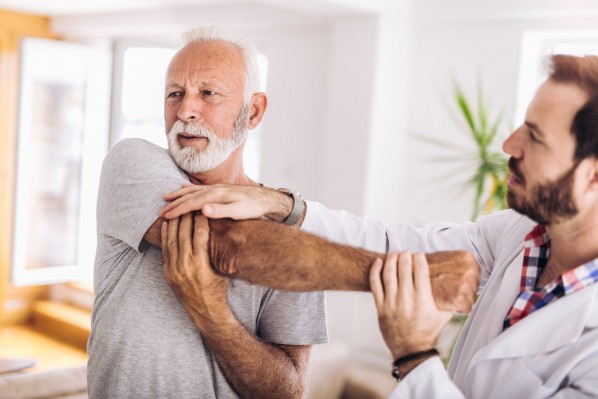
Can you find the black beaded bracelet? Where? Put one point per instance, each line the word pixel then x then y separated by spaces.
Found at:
pixel 408 358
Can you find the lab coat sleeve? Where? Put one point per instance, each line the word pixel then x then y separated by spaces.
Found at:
pixel 345 228
pixel 428 380
pixel 482 239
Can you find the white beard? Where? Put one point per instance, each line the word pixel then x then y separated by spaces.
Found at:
pixel 218 150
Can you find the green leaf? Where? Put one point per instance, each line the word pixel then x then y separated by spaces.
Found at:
pixel 489 169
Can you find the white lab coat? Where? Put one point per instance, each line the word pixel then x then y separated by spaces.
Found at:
pixel 551 353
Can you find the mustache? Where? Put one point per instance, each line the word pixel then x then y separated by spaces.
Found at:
pixel 192 128
pixel 515 170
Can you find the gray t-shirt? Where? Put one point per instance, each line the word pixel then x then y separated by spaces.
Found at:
pixel 143 344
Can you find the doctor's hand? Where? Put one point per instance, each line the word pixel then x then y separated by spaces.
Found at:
pixel 228 201
pixel 189 273
pixel 408 317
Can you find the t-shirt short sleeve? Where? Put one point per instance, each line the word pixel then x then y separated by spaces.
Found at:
pixel 294 318
pixel 135 176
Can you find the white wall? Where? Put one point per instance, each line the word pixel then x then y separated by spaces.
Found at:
pixel 297 87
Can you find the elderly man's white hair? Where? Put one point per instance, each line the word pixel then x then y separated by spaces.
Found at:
pixel 204 34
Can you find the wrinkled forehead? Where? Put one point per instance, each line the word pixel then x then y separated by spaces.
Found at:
pixel 208 55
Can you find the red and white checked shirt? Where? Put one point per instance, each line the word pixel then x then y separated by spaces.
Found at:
pixel 535 256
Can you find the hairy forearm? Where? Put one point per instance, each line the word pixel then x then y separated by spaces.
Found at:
pixel 277 256
pixel 254 368
pixel 280 257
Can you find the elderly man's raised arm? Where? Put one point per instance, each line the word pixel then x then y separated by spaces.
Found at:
pixel 277 256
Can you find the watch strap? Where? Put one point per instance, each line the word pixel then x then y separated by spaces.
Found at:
pixel 298 207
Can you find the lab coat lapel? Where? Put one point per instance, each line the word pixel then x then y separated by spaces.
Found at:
pixel 546 329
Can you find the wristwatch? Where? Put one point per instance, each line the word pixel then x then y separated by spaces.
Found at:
pixel 298 206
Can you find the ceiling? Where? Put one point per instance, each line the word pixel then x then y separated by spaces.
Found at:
pixel 74 7
pixel 56 8
pixel 429 8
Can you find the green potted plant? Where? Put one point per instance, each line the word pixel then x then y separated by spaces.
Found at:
pixel 489 166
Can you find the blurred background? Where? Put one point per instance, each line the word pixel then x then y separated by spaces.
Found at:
pixel 363 115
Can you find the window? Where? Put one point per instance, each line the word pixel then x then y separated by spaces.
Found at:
pixel 63 116
pixel 142 97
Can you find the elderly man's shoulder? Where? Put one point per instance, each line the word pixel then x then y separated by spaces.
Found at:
pixel 132 146
pixel 133 153
pixel 132 150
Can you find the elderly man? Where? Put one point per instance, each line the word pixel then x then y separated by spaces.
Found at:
pixel 157 333
pixel 534 329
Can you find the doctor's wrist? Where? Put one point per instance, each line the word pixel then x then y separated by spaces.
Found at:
pixel 404 364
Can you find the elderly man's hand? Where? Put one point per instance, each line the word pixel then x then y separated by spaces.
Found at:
pixel 228 201
pixel 188 270
pixel 455 277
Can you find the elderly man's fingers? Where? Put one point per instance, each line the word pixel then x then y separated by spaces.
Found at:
pixel 188 199
pixel 165 255
pixel 219 211
pixel 376 285
pixel 172 243
pixel 185 204
pixel 186 189
pixel 201 233
pixel 185 233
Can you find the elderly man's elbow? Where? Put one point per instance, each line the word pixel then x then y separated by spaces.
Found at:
pixel 468 263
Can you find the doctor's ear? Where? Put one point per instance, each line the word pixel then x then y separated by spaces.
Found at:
pixel 592 173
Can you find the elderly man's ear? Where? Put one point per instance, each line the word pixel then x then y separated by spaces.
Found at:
pixel 259 103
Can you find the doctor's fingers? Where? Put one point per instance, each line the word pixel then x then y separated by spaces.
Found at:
pixel 405 274
pixel 376 285
pixel 389 278
pixel 421 275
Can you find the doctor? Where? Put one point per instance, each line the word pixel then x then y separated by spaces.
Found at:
pixel 533 332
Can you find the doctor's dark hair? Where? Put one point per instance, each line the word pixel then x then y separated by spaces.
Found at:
pixel 583 72
pixel 585 128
